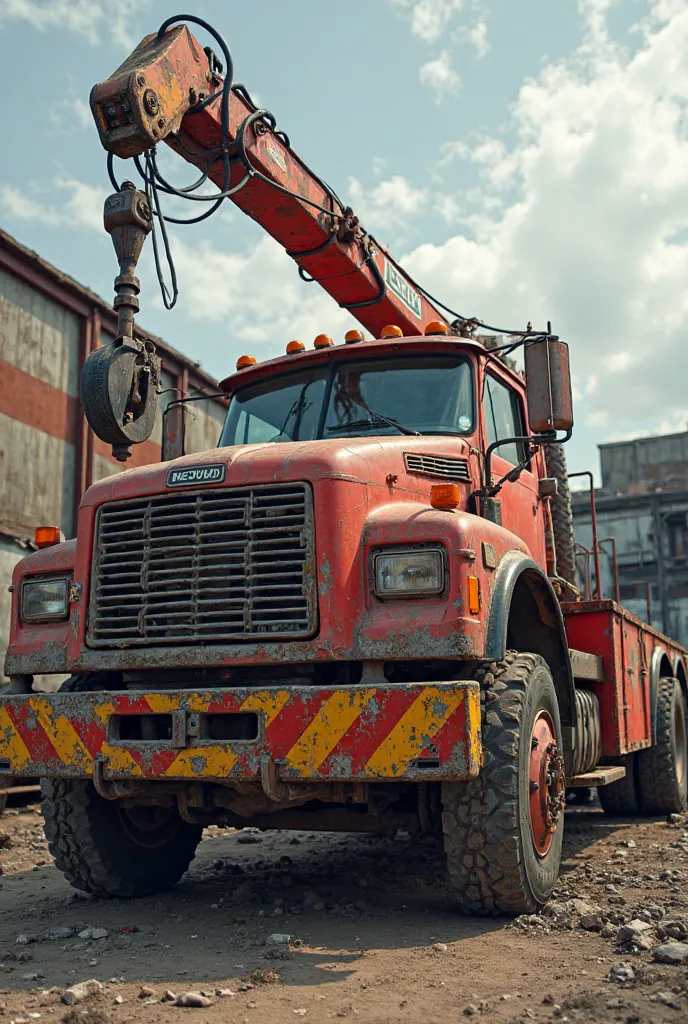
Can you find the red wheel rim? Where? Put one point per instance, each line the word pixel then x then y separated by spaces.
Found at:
pixel 546 782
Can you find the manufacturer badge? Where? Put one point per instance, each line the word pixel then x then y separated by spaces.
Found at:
pixel 196 475
pixel 403 290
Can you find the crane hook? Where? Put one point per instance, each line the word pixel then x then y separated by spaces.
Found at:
pixel 119 382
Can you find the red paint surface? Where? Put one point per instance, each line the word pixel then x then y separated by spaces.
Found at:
pixel 626 646
pixel 346 761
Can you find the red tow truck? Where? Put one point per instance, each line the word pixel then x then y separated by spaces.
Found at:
pixel 360 611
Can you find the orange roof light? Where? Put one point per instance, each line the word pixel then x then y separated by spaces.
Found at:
pixel 445 496
pixel 295 346
pixel 46 536
pixel 391 331
pixel 244 361
pixel 323 341
pixel 351 337
pixel 436 327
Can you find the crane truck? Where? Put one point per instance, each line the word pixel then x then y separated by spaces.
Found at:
pixel 359 612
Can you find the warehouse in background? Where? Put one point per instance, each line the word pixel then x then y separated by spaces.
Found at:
pixel 643 506
pixel 48 456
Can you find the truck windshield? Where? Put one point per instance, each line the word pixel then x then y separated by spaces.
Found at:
pixel 423 394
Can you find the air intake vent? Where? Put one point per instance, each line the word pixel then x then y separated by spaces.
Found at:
pixel 208 565
pixel 438 465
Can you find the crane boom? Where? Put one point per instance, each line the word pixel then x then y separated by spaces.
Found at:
pixel 169 90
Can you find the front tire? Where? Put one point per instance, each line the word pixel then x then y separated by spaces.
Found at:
pixel 104 848
pixel 107 850
pixel 503 831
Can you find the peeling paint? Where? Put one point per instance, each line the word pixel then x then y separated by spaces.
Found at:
pixel 355 733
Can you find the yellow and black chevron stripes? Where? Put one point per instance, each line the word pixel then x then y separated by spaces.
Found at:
pixel 346 733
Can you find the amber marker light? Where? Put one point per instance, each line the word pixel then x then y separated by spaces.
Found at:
pixel 323 341
pixel 294 347
pixel 244 361
pixel 351 337
pixel 473 595
pixel 391 331
pixel 436 327
pixel 445 496
pixel 46 536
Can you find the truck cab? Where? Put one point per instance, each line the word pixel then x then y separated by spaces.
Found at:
pixel 316 533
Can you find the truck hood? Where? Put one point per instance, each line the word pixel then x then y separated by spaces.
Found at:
pixel 368 461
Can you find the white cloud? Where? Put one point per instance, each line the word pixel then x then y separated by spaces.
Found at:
pixel 16 203
pixel 78 16
pixel 388 204
pixel 583 219
pixel 91 19
pixel 380 164
pixel 257 294
pixel 83 205
pixel 71 112
pixel 439 76
pixel 477 35
pixel 432 20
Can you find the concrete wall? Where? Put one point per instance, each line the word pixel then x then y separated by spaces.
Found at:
pixel 48 323
pixel 39 352
pixel 645 463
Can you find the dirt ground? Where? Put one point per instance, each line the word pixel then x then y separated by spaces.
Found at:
pixel 373 935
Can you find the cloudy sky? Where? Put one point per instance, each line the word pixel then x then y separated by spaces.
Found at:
pixel 525 159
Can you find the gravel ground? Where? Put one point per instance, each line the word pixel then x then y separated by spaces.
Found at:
pixel 274 927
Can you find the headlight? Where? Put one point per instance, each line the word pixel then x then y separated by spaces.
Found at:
pixel 409 573
pixel 42 600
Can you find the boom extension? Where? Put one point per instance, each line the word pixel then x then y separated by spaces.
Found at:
pixel 161 92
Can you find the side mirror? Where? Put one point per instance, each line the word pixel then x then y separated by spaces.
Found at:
pixel 548 386
pixel 173 431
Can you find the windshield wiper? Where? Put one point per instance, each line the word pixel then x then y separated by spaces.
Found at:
pixel 375 422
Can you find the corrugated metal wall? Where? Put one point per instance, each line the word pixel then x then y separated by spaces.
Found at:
pixel 48 455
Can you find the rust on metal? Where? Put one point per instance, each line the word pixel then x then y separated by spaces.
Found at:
pixel 398 732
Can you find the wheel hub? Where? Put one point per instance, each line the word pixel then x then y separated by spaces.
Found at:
pixel 547 782
pixel 149 827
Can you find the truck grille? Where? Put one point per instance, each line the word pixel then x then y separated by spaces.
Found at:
pixel 214 564
pixel 438 465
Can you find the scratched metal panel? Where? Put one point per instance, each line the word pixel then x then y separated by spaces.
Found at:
pixel 38 336
pixel 10 553
pixel 37 473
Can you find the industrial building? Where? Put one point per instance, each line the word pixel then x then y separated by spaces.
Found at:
pixel 48 455
pixel 642 505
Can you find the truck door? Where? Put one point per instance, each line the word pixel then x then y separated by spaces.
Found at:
pixel 503 416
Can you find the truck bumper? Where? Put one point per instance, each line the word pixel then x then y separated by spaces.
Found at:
pixel 416 732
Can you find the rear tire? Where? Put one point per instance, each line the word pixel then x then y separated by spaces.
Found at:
pixel 562 516
pixel 621 798
pixel 500 859
pixel 663 767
